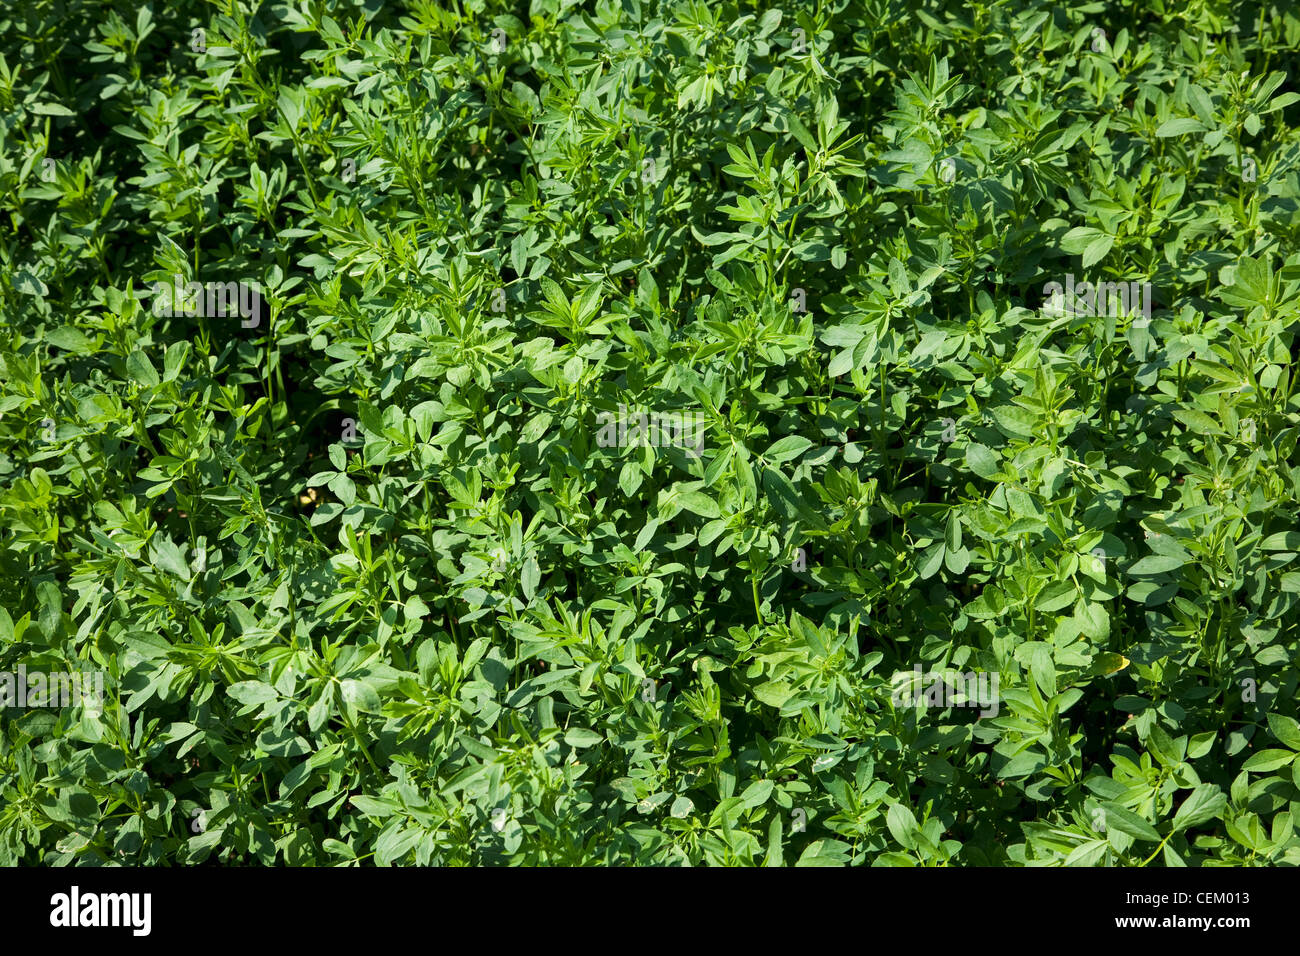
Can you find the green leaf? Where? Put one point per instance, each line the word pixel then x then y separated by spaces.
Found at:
pixel 774 693
pixel 1129 823
pixel 251 692
pixel 1269 759
pixel 530 576
pixel 825 853
pixel 1179 126
pixel 1198 422
pixel 1096 250
pixel 1282 541
pixel 1204 803
pixel 902 824
pixel 1285 729
pixel 360 696
pixel 1014 421
pixel 580 738
pixel 756 793
pixel 801 133
pixel 697 502
pixel 141 370
pixel 1156 564
pixel 789 447
pixel 931 560
pixel 982 461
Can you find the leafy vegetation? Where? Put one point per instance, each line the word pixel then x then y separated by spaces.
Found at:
pixel 369 582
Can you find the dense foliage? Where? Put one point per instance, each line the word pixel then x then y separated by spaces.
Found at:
pixel 370 576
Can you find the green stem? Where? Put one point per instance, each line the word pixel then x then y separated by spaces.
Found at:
pixel 1158 849
pixel 357 737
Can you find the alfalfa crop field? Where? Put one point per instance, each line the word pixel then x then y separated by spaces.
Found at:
pixel 835 432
